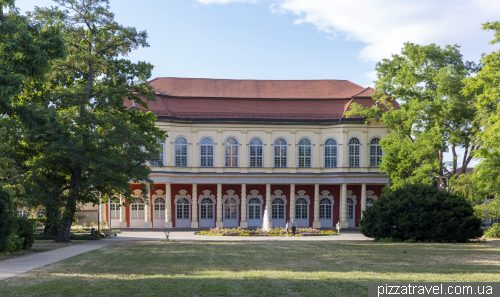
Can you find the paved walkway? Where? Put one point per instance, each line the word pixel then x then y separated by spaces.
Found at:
pixel 13 267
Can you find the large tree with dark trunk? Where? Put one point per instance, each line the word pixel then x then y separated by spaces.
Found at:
pixel 92 146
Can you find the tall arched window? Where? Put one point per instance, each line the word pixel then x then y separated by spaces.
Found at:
pixel 305 153
pixel 232 149
pixel 354 152
pixel 115 210
pixel 230 209
pixel 278 208
pixel 182 208
pixel 331 149
pixel 159 210
pixel 158 160
pixel 206 208
pixel 206 152
pixel 350 209
pixel 300 208
pixel 256 153
pixel 180 151
pixel 137 209
pixel 325 208
pixel 375 152
pixel 280 152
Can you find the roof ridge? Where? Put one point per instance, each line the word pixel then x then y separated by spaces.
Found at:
pixel 253 79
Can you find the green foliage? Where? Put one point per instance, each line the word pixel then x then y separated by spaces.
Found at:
pixel 84 237
pixel 435 117
pixel 493 231
pixel 25 230
pixel 418 212
pixel 6 219
pixel 485 86
pixel 14 244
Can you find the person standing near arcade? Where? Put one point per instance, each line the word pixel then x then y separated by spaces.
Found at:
pixel 339 226
pixel 294 227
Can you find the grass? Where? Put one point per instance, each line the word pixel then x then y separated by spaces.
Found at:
pixel 38 247
pixel 253 268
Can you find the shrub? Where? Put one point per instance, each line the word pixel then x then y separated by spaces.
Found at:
pixel 14 244
pixel 420 213
pixel 83 237
pixel 6 220
pixel 493 231
pixel 25 229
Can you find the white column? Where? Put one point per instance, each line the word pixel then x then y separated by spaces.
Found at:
pixel 147 210
pixel 268 204
pixel 168 206
pixel 219 223
pixel 292 202
pixel 343 205
pixel 194 207
pixel 243 223
pixel 363 198
pixel 123 220
pixel 102 210
pixel 316 222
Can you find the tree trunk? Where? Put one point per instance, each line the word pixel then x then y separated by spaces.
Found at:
pixel 53 222
pixel 69 212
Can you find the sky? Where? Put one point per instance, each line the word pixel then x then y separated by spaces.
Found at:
pixel 295 39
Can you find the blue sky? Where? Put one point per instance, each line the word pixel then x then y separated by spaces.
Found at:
pixel 294 39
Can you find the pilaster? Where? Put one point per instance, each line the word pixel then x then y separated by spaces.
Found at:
pixel 343 205
pixel 316 222
pixel 147 210
pixel 365 151
pixel 243 222
pixel 194 207
pixel 193 154
pixel 292 201
pixel 219 223
pixel 123 220
pixel 363 199
pixel 168 206
pixel 219 152
pixel 243 152
pixel 268 204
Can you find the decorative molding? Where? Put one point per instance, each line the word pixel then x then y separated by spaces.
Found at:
pixel 158 194
pixel 317 132
pixel 219 131
pixel 293 131
pixel 206 194
pixel 269 131
pixel 255 194
pixel 364 130
pixel 345 131
pixel 350 195
pixel 302 194
pixel 279 194
pixel 183 194
pixel 244 131
pixel 326 194
pixel 194 130
pixel 230 194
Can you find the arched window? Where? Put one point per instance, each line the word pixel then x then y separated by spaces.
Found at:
pixel 350 209
pixel 301 208
pixel 206 208
pixel 231 209
pixel 278 208
pixel 331 149
pixel 115 210
pixel 305 152
pixel 256 153
pixel 183 208
pixel 137 209
pixel 325 208
pixel 206 152
pixel 23 213
pixel 354 152
pixel 375 152
pixel 232 149
pixel 280 152
pixel 159 208
pixel 181 152
pixel 254 207
pixel 158 160
pixel 369 201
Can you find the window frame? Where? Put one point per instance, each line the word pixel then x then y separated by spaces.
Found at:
pixel 379 157
pixel 287 152
pixel 237 156
pixel 360 148
pixel 175 151
pixel 336 157
pixel 161 156
pixel 310 157
pixel 250 155
pixel 208 145
pixel 160 211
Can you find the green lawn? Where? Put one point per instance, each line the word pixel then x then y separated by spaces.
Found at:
pixel 249 268
pixel 38 247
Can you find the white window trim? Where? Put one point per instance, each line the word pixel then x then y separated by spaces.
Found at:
pixel 324 152
pixel 287 152
pixel 369 150
pixel 187 151
pixel 213 152
pixel 238 145
pixel 263 152
pixel 161 155
pixel 312 152
pixel 360 151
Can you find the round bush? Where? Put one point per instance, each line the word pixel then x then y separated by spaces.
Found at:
pixel 420 213
pixel 493 231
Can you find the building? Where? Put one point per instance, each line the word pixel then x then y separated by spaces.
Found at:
pixel 238 148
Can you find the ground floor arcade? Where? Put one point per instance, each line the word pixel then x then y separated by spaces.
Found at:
pixel 204 205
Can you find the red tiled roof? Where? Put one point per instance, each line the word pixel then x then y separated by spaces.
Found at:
pixel 255 99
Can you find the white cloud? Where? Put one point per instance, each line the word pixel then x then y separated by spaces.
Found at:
pixel 384 25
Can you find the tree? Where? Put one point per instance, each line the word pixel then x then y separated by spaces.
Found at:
pixel 486 176
pixel 419 212
pixel 434 118
pixel 92 146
